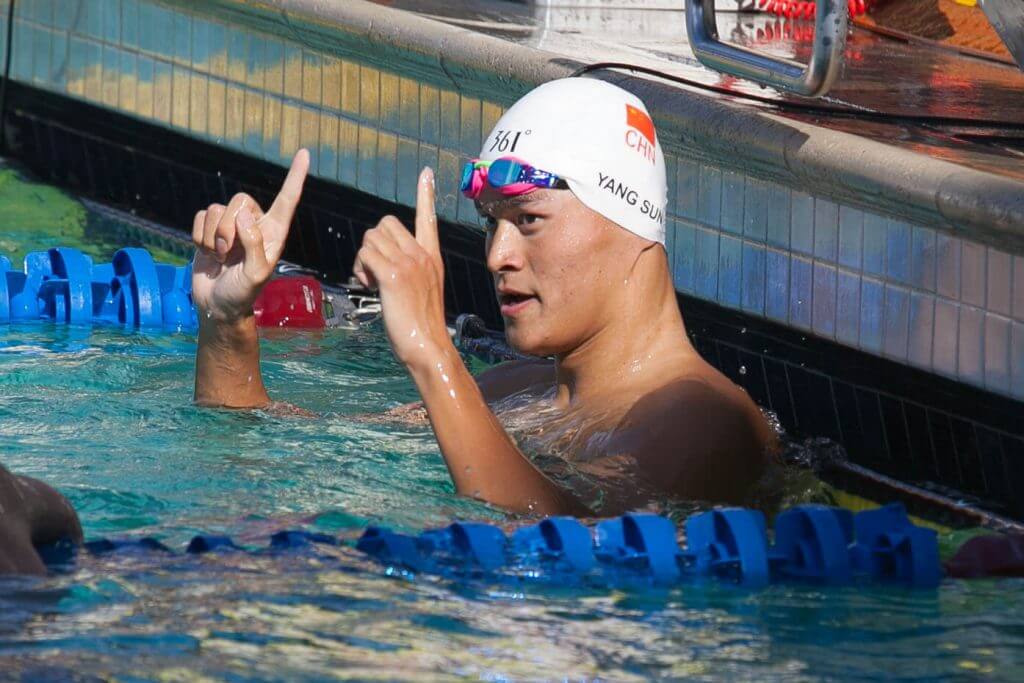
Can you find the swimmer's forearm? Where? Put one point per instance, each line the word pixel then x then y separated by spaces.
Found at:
pixel 483 461
pixel 228 365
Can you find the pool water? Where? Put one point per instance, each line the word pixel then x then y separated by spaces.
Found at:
pixel 106 416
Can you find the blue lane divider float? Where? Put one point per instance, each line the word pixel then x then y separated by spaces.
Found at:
pixel 813 543
pixel 64 285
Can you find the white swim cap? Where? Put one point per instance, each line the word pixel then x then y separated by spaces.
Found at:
pixel 597 137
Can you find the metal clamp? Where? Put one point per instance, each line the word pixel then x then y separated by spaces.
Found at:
pixel 813 80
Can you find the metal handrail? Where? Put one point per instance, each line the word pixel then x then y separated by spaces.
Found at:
pixel 813 80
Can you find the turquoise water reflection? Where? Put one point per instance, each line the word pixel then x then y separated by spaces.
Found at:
pixel 107 417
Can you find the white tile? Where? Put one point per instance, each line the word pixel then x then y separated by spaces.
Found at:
pixel 709 203
pixel 801 282
pixel 752 288
pixel 971 357
pixel 922 329
pixel 826 230
pixel 1000 282
pixel 801 225
pixel 872 314
pixel 683 262
pixel 947 269
pixel 687 188
pixel 947 335
pixel 997 353
pixel 777 285
pixel 733 199
pixel 922 259
pixel 1018 288
pixel 847 307
pixel 823 313
pixel 896 325
pixel 972 274
pixel 1017 360
pixel 778 219
pixel 897 247
pixel 851 236
pixel 755 209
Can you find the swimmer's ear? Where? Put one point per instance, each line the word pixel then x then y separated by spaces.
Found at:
pixel 426 218
pixel 283 208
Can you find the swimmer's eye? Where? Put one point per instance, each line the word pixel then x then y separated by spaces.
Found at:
pixel 490 223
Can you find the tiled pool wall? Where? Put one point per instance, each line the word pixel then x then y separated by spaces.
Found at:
pixel 912 294
pixel 906 292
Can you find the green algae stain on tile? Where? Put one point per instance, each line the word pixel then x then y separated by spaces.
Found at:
pixel 35 217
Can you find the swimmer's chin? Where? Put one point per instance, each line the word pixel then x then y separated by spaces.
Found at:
pixel 525 340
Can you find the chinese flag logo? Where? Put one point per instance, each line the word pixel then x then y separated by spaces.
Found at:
pixel 636 118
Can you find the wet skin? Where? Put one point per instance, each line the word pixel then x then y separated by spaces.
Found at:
pixel 31 514
pixel 573 286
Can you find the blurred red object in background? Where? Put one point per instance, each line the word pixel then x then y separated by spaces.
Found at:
pixel 290 302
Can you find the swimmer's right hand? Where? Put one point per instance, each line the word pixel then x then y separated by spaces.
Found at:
pixel 238 245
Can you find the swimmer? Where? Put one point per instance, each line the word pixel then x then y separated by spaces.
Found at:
pixel 31 514
pixel 570 186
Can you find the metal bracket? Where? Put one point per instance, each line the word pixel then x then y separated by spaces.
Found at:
pixel 1007 18
pixel 811 80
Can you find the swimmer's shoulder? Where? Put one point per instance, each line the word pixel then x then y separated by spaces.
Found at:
pixel 704 437
pixel 516 377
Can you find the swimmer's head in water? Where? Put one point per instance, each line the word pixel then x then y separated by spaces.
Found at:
pixel 560 258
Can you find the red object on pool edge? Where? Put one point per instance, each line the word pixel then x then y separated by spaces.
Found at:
pixel 994 555
pixel 290 302
pixel 806 9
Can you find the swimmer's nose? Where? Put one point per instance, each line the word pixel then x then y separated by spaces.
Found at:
pixel 504 249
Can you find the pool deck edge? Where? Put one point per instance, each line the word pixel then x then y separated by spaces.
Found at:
pixel 967 202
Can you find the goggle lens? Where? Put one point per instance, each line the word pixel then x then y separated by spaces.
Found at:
pixel 467 176
pixel 504 172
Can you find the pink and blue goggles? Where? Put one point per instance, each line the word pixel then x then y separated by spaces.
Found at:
pixel 509 175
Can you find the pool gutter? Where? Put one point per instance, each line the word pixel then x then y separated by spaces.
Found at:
pixel 846 167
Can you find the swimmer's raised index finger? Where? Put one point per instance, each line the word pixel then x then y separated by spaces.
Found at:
pixel 287 199
pixel 426 218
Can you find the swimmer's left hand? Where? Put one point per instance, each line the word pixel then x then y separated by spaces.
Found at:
pixel 409 273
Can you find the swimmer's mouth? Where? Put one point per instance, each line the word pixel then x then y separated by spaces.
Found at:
pixel 514 302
